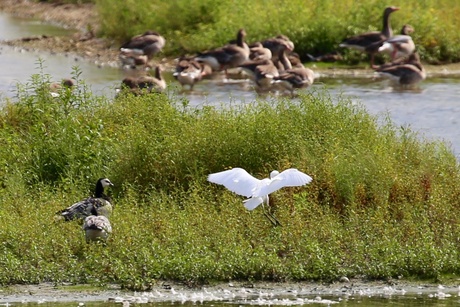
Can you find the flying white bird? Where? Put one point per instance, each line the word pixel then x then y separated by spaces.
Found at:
pixel 241 182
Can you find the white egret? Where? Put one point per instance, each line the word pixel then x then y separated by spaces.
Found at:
pixel 241 182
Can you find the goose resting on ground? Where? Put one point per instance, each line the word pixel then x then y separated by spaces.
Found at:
pixel 99 204
pixel 363 41
pixel 97 228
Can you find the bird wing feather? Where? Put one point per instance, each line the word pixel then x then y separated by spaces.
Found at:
pixel 236 180
pixel 288 178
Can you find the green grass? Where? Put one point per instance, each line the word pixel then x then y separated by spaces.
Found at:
pixel 383 202
pixel 316 27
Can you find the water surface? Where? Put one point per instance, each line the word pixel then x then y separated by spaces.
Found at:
pixel 432 109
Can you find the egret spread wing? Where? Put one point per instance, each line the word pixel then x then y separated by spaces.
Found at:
pixel 236 180
pixel 288 178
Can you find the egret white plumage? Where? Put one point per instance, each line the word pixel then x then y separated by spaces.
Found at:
pixel 241 182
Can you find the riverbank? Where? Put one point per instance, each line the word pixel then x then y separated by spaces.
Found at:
pixel 265 293
pixel 82 17
pixel 85 45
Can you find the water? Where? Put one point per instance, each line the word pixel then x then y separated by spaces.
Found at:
pixel 298 295
pixel 432 110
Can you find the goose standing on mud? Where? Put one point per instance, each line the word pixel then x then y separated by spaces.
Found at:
pixel 363 41
pixel 98 204
pixel 242 183
pixel 405 74
pixel 228 56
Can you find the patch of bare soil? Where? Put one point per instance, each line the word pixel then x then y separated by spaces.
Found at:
pixel 82 17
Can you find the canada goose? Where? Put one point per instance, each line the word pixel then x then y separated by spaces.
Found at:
pixel 407 73
pixel 363 41
pixel 261 72
pixel 99 204
pixel 399 45
pixel 97 228
pixel 189 71
pixel 149 43
pixel 295 78
pixel 228 56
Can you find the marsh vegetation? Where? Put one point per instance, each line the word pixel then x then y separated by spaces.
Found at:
pixel 383 202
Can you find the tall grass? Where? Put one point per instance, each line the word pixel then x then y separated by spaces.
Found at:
pixel 383 202
pixel 316 27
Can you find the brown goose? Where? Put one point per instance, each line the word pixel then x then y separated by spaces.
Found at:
pixel 278 42
pixel 259 52
pixel 130 59
pixel 281 58
pixel 262 72
pixel 228 56
pixel 149 43
pixel 189 71
pixel 145 84
pixel 399 45
pixel 363 41
pixel 295 78
pixel 407 73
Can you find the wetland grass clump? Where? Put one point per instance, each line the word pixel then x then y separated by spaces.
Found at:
pixel 383 201
pixel 316 27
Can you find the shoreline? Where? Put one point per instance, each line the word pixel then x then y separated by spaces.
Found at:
pixel 270 292
pixel 85 45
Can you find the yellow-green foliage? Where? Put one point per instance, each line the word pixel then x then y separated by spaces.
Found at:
pixel 315 26
pixel 383 202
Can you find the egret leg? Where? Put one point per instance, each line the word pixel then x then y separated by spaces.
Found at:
pixel 270 216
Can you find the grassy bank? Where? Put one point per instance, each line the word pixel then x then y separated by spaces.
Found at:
pixel 316 27
pixel 383 203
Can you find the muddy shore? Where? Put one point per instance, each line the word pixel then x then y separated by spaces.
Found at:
pixel 85 45
pixel 268 292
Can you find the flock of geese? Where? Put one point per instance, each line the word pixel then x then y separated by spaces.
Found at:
pixel 95 210
pixel 271 64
